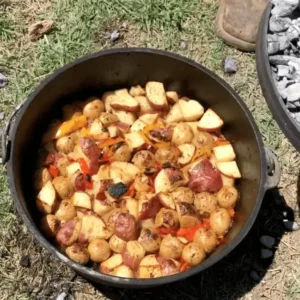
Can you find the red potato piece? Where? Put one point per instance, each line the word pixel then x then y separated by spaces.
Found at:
pixel 149 267
pixel 172 97
pixel 83 200
pixel 137 91
pixel 166 200
pixel 150 208
pixel 156 95
pixel 110 264
pixel 145 107
pixel 175 114
pixel 210 121
pixel 149 119
pixel 47 194
pixel 168 266
pixel 107 98
pixel 192 110
pixel 138 125
pixel 69 232
pixel 134 139
pixel 160 135
pixel 124 101
pixel 224 153
pixel 133 254
pixel 205 178
pixel 229 169
pixel 162 182
pixel 125 117
pixel 126 227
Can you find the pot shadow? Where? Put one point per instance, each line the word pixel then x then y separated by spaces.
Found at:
pixel 232 277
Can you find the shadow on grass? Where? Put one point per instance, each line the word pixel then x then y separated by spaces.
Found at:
pixel 232 277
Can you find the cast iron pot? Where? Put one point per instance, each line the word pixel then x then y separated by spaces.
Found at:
pixel 280 113
pixel 117 68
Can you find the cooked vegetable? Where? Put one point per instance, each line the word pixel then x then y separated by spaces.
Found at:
pixel 78 253
pixel 93 107
pixel 99 250
pixel 141 172
pixel 206 238
pixel 193 254
pixel 133 254
pixel 205 203
pixel 150 240
pixel 182 134
pixel 220 221
pixel 171 247
pixel 49 225
pixel 227 197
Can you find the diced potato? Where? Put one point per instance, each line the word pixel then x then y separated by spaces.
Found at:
pixel 125 116
pixel 149 267
pixel 194 126
pixel 130 205
pixel 155 93
pixel 47 194
pixel 83 200
pixel 224 153
pixel 138 125
pixel 145 107
pixel 123 172
pixel 213 160
pixel 166 200
pixel 210 121
pixel 149 118
pixel 137 91
pixel 101 208
pixel 110 264
pixel 124 101
pixel 103 173
pixel 134 139
pixel 192 110
pixel 227 181
pixel 175 114
pixel 229 169
pixel 107 98
pixel 172 97
pixel 73 168
pixel 113 131
pixel 187 151
pixel 96 128
pixel 123 271
pixel 162 182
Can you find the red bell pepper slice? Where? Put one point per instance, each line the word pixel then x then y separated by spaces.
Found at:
pixel 53 171
pixel 165 231
pixel 83 166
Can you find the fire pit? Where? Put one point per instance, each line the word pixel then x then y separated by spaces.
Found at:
pixel 278 64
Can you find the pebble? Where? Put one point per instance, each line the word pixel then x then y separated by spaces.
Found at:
pixel 115 35
pixel 1 115
pixel 3 81
pixel 266 253
pixel 183 44
pixel 230 65
pixel 267 241
pixel 25 261
pixel 290 225
pixel 61 296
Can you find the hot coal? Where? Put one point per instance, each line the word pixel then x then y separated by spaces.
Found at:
pixel 284 52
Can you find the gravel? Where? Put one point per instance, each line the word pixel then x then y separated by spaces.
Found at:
pixel 284 52
pixel 230 65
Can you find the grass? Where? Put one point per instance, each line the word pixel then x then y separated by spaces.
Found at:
pixel 184 27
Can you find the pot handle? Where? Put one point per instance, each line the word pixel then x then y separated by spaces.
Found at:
pixel 273 169
pixel 5 135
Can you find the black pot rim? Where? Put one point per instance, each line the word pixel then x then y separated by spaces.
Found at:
pixel 274 101
pixel 139 283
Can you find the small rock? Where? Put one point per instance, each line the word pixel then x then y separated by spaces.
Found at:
pixel 1 116
pixel 293 92
pixel 266 253
pixel 61 296
pixel 290 225
pixel 115 35
pixel 3 80
pixel 254 275
pixel 267 241
pixel 183 44
pixel 39 29
pixel 25 262
pixel 277 24
pixel 230 65
pixel 284 8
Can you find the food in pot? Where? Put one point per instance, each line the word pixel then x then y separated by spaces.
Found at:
pixel 139 181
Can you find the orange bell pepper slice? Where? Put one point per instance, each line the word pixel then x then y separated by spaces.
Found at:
pixel 110 141
pixel 54 172
pixel 165 231
pixel 83 166
pixel 185 266
pixel 70 126
pixel 202 153
pixel 145 133
pixel 189 233
pixel 131 191
pixel 84 132
pixel 231 212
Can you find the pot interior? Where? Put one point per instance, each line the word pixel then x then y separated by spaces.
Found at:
pixel 115 69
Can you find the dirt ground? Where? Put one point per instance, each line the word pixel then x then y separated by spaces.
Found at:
pixel 184 27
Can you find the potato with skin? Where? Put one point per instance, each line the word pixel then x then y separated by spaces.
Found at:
pixel 66 211
pixel 206 238
pixel 150 240
pixel 49 225
pixel 144 159
pixel 43 207
pixel 123 271
pixel 108 119
pixel 149 267
pixel 62 166
pixel 170 247
pixel 172 97
pixel 203 139
pixel 137 91
pixel 227 197
pixel 69 232
pixel 41 176
pixel 67 143
pixel 99 250
pixel 116 244
pixel 78 253
pixel 182 134
pixel 63 187
pixel 183 194
pixel 123 153
pixel 93 107
pixel 188 215
pixel 167 218
pixel 220 221
pixel 111 263
pixel 164 156
pixel 111 217
pixel 205 203
pixel 193 254
pixel 133 254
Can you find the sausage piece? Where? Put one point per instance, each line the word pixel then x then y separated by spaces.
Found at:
pixel 126 227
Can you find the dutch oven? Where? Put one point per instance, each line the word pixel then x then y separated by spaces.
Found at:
pixel 113 69
pixel 275 103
